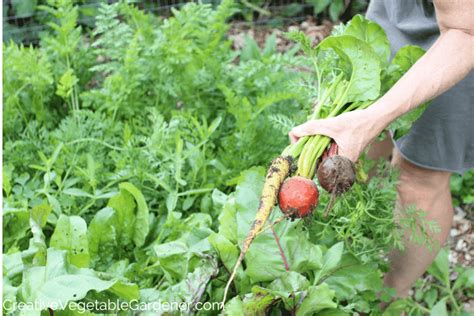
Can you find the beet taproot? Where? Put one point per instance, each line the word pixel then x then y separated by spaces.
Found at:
pixel 298 196
pixel 336 174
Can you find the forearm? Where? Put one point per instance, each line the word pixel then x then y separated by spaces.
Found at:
pixel 448 61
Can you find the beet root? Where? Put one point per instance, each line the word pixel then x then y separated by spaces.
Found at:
pixel 336 174
pixel 298 196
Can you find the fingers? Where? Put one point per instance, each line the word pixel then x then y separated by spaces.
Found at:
pixel 312 127
pixel 306 129
pixel 293 137
pixel 351 155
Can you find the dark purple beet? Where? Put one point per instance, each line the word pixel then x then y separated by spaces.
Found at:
pixel 336 174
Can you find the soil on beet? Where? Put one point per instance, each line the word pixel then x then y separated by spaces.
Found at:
pixel 336 174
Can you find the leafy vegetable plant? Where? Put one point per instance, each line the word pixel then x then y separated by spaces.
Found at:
pixel 133 162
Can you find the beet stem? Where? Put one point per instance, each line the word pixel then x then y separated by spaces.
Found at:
pixel 330 204
pixel 282 253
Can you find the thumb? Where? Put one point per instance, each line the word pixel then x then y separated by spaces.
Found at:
pixel 312 127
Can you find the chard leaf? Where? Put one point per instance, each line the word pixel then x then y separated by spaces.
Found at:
pixel 124 206
pixel 58 282
pixel 331 259
pixel 318 298
pixel 354 277
pixel 360 63
pixel 401 63
pixel 132 214
pixel 38 217
pixel 234 307
pixel 15 226
pixel 289 282
pixel 70 234
pixel 141 227
pixel 290 288
pixel 371 33
pixel 227 251
pixel 12 265
pixel 103 238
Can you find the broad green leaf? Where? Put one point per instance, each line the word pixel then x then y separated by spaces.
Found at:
pixel 16 225
pixel 289 282
pixel 227 222
pixel 331 259
pixel 227 252
pixel 403 60
pixel 103 238
pixel 141 224
pixel 234 307
pixel 361 63
pixel 318 298
pixel 173 257
pixel 124 206
pixel 70 234
pixel 40 213
pixel 407 56
pixel 58 283
pixel 12 264
pixel 38 217
pixel 354 277
pixel 372 33
pixel 290 288
pixel 439 309
pixel 440 267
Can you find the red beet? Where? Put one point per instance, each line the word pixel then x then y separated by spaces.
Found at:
pixel 298 196
pixel 336 174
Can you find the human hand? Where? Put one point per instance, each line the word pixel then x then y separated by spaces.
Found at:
pixel 352 131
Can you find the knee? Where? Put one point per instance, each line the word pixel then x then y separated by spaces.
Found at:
pixel 415 176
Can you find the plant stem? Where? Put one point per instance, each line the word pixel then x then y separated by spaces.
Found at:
pixel 282 253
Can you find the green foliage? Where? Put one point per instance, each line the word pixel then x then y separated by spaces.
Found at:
pixel 462 188
pixel 27 88
pixel 402 61
pixel 335 8
pixel 442 296
pixel 133 166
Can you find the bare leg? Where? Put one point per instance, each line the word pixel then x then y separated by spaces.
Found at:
pixel 380 149
pixel 429 191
